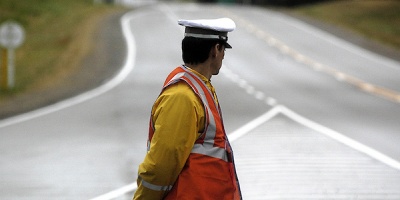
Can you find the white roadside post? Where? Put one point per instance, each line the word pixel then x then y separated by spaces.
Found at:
pixel 12 36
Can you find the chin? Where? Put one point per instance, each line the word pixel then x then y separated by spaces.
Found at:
pixel 216 72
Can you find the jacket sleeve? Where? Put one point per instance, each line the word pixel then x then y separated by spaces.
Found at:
pixel 178 118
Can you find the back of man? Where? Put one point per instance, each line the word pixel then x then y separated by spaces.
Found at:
pixel 189 155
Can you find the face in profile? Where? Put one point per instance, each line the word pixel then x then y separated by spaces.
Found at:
pixel 219 56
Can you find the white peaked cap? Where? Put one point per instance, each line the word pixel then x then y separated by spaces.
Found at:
pixel 221 24
pixel 209 28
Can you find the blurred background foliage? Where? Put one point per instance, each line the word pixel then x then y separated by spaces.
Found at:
pixel 57 36
pixel 378 20
pixel 59 32
pixel 287 3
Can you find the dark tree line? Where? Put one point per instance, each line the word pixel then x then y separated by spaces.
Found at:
pixel 287 3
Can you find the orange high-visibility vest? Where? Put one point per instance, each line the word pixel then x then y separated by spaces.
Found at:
pixel 209 172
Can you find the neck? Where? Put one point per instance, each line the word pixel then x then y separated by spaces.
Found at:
pixel 202 68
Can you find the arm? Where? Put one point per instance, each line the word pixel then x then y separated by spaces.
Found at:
pixel 178 117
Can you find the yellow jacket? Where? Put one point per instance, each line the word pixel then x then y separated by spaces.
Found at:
pixel 179 119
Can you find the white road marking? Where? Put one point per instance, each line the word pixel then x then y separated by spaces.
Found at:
pixel 118 192
pixel 271 101
pixel 376 90
pixel 304 121
pixel 340 138
pixel 277 109
pixel 126 69
pixel 254 124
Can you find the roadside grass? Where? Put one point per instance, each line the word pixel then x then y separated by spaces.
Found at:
pixel 57 37
pixel 58 32
pixel 375 19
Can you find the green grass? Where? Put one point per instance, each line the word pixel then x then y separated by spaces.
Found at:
pixel 58 32
pixel 375 19
pixel 57 37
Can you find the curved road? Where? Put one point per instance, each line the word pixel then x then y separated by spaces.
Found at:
pixel 279 68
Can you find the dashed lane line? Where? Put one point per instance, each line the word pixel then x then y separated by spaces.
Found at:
pixel 279 109
pixel 276 109
pixel 373 89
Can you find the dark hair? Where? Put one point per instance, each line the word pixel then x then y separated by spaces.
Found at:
pixel 196 50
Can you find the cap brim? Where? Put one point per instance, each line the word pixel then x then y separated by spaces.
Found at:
pixel 227 46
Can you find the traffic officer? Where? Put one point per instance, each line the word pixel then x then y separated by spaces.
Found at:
pixel 188 152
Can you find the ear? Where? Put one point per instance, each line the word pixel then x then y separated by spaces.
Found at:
pixel 219 47
pixel 214 51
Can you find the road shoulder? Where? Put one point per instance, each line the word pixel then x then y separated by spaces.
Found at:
pixel 108 55
pixel 349 36
pixel 101 64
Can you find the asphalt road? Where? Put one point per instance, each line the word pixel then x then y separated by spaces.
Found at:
pixel 94 144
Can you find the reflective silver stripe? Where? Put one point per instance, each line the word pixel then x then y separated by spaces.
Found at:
pixel 214 152
pixel 175 78
pixel 206 36
pixel 211 129
pixel 200 89
pixel 207 148
pixel 155 187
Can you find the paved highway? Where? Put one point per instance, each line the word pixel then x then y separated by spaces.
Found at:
pixel 310 113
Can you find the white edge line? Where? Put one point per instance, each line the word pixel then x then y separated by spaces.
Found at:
pixel 262 119
pixel 118 192
pixel 232 137
pixel 133 186
pixel 130 61
pixel 341 138
pixel 279 109
pixel 123 73
pixel 254 123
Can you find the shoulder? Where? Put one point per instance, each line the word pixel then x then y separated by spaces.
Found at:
pixel 179 90
pixel 179 95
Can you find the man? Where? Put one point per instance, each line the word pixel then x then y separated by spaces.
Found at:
pixel 189 155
